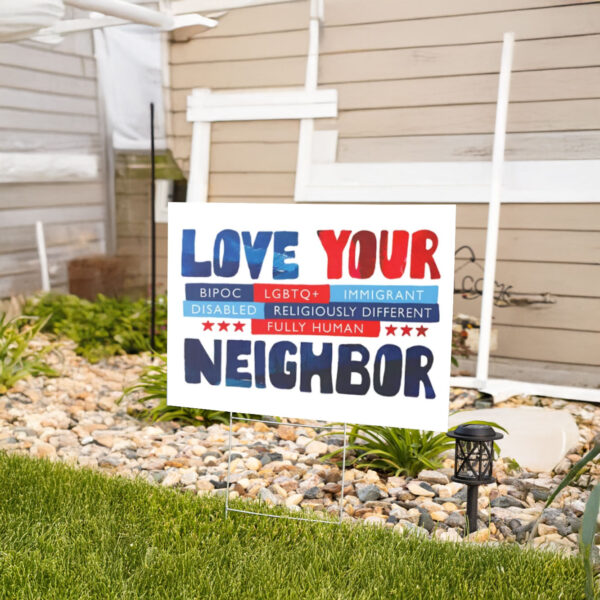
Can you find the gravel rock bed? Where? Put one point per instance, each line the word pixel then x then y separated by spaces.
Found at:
pixel 76 418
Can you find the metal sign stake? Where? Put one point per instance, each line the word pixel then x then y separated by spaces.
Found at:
pixel 228 509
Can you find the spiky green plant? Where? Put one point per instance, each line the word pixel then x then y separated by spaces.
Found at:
pixel 17 358
pixel 589 523
pixel 397 451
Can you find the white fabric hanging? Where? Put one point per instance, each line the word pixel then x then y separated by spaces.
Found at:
pixel 20 19
pixel 129 66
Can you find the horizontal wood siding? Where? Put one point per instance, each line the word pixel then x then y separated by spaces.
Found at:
pixel 48 104
pixel 261 46
pixel 19 264
pixel 418 82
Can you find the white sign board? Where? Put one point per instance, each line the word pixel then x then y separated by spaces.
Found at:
pixel 339 313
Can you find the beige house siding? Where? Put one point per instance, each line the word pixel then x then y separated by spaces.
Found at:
pixel 132 191
pixel 418 82
pixel 49 104
pixel 133 188
pixel 257 47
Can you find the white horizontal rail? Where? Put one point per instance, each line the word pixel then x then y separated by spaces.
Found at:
pixel 202 97
pixel 526 388
pixel 456 182
pixel 209 107
pixel 259 113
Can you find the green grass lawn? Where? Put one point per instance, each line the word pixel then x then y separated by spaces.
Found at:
pixel 67 533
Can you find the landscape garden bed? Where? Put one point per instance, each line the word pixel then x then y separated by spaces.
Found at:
pixel 74 411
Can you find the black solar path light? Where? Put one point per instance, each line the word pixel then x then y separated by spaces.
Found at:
pixel 473 458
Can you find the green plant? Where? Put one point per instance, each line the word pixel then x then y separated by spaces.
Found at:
pixel 105 327
pixel 397 451
pixel 511 465
pixel 589 523
pixel 17 358
pixel 153 385
pixel 586 539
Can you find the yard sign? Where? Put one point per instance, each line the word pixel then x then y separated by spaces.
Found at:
pixel 339 313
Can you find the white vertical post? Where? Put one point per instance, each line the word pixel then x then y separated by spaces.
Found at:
pixel 41 248
pixel 109 244
pixel 491 244
pixel 197 190
pixel 305 138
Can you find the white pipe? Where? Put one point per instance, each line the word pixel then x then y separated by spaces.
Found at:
pixel 491 243
pixel 51 35
pixel 41 248
pixel 125 10
pixel 312 60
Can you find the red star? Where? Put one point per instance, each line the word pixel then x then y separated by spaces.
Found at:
pixel 406 330
pixel 421 331
pixel 207 326
pixel 239 326
pixel 223 326
pixel 391 330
